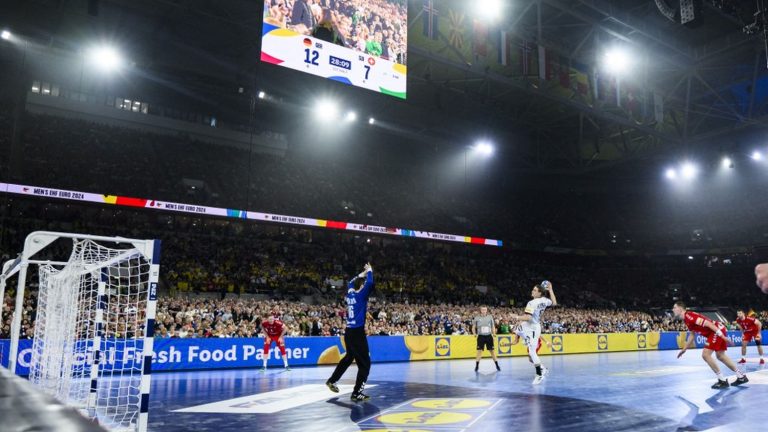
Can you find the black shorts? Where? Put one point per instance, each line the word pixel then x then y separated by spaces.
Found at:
pixel 485 342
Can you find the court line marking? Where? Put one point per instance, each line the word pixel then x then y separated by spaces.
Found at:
pixel 484 413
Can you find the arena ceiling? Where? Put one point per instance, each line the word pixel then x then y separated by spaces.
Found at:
pixel 693 86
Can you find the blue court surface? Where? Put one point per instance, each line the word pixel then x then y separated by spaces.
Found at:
pixel 636 391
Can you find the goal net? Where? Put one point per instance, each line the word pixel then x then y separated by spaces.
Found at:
pixel 93 328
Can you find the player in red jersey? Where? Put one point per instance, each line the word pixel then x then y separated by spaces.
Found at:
pixel 717 342
pixel 751 330
pixel 274 330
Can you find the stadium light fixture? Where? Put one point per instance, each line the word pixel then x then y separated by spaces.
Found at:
pixel 484 148
pixel 727 162
pixel 617 61
pixel 757 156
pixel 371 121
pixel 489 9
pixel 671 174
pixel 105 58
pixel 6 35
pixel 326 110
pixel 351 117
pixel 689 170
pixel 262 95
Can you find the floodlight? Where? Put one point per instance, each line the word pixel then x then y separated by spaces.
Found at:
pixel 489 9
pixel 689 170
pixel 671 174
pixel 6 35
pixel 105 58
pixel 326 109
pixel 484 148
pixel 351 117
pixel 617 61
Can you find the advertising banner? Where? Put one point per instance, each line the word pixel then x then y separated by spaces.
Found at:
pixel 195 354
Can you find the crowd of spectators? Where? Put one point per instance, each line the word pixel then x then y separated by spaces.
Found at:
pixel 86 156
pixel 201 317
pixel 240 258
pixel 374 27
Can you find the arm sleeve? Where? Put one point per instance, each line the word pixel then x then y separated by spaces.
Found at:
pixel 368 285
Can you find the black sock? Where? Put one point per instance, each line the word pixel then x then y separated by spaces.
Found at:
pixel 538 370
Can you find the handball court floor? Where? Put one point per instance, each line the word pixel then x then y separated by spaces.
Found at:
pixel 634 391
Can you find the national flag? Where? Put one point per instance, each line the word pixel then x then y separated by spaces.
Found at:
pixel 525 57
pixel 581 74
pixel 456 31
pixel 430 20
pixel 480 38
pixel 505 44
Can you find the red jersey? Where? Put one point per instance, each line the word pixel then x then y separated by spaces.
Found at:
pixel 748 324
pixel 695 323
pixel 273 330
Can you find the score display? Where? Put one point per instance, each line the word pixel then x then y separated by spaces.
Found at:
pixel 356 43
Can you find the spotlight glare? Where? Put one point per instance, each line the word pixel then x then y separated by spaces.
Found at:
pixel 262 95
pixel 484 148
pixel 617 61
pixel 371 121
pixel 727 162
pixel 489 9
pixel 351 116
pixel 6 35
pixel 757 156
pixel 671 174
pixel 105 58
pixel 689 170
pixel 327 110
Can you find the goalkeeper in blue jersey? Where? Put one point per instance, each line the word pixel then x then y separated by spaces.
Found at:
pixel 358 291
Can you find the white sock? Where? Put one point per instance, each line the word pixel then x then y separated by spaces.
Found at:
pixel 265 362
pixel 720 376
pixel 739 373
pixel 285 361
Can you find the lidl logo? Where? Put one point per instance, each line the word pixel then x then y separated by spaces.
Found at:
pixel 431 418
pixel 602 342
pixel 557 343
pixel 504 344
pixel 642 341
pixel 442 347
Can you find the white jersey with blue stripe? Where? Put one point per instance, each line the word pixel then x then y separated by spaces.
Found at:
pixel 536 307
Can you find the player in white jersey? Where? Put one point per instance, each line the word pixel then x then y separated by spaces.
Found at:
pixel 530 324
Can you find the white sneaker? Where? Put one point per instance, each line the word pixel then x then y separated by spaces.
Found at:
pixel 540 378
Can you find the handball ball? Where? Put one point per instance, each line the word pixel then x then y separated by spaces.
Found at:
pixel 545 284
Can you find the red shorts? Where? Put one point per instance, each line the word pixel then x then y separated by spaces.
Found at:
pixel 749 336
pixel 273 339
pixel 716 343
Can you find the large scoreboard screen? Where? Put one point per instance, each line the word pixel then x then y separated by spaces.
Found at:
pixel 357 42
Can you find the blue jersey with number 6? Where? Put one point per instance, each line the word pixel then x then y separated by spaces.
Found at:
pixel 357 302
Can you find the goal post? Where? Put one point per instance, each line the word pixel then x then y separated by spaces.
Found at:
pixel 94 325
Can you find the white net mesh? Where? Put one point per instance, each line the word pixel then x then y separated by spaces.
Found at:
pixel 95 303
